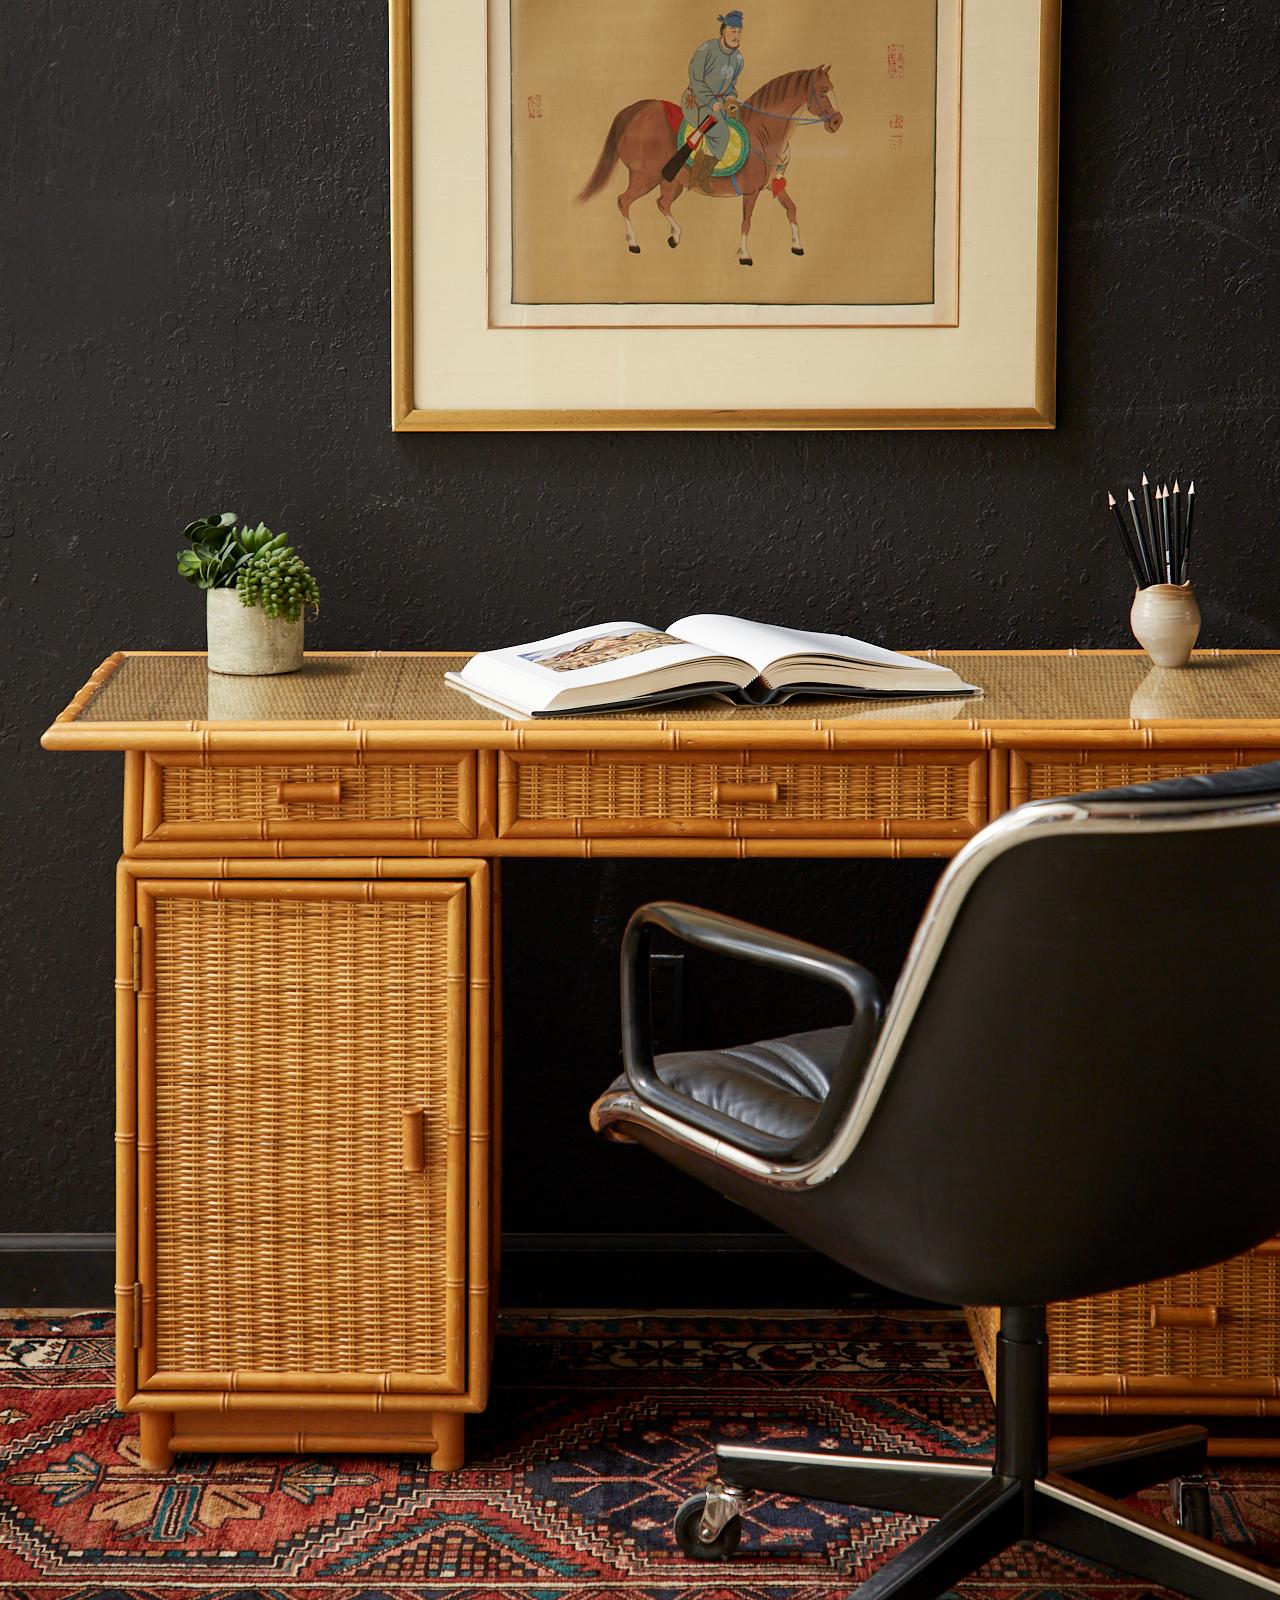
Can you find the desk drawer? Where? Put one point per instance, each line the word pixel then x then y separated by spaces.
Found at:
pixel 1213 1332
pixel 1043 774
pixel 224 797
pixel 877 794
pixel 1221 1322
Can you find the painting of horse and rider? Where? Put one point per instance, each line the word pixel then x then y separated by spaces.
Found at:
pixel 836 114
pixel 725 145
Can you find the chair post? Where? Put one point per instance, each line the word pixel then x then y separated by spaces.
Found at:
pixel 1022 1399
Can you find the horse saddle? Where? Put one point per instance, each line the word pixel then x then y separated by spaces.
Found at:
pixel 685 118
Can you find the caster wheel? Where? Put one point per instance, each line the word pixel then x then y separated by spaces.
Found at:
pixel 1192 1508
pixel 688 1533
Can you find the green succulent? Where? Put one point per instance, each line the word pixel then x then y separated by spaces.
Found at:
pixel 219 550
pixel 279 580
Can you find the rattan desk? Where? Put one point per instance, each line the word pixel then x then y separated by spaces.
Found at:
pixel 308 1034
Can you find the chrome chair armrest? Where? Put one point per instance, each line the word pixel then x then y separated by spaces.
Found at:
pixel 707 930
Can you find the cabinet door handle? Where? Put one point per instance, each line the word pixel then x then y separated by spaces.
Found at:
pixel 415 1141
pixel 321 791
pixel 748 793
pixel 1186 1316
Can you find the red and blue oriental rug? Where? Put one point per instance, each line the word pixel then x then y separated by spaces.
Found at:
pixel 599 1427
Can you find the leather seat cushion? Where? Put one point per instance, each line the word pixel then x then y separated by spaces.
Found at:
pixel 1255 784
pixel 776 1085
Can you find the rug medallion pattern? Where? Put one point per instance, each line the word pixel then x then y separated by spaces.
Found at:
pixel 599 1427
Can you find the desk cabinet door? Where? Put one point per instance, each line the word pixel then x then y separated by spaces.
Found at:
pixel 301 1138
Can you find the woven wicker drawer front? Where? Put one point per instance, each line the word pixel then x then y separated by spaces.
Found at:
pixel 743 794
pixel 414 799
pixel 293 1026
pixel 1113 1335
pixel 1042 774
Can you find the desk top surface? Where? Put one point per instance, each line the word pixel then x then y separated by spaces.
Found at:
pixel 140 700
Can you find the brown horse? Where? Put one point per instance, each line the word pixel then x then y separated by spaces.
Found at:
pixel 642 138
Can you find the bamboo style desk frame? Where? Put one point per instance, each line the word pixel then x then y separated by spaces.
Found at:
pixel 308 1019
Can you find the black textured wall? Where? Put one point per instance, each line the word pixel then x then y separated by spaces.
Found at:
pixel 195 317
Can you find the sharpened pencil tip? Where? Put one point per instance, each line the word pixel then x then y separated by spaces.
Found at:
pixel 1176 489
pixel 1144 480
pixel 1192 489
pixel 1111 499
pixel 1129 492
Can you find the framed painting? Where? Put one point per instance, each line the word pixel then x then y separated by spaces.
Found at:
pixel 789 214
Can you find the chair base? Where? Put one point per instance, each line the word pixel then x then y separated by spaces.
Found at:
pixel 982 1510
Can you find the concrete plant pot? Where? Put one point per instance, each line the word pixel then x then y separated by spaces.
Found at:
pixel 245 642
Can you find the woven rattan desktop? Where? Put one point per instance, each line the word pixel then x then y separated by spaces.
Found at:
pixel 308 1030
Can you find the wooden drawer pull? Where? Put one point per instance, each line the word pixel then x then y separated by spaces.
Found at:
pixel 415 1141
pixel 1186 1316
pixel 323 792
pixel 750 793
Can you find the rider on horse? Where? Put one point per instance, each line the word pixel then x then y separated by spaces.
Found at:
pixel 713 78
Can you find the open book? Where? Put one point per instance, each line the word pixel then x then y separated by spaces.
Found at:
pixel 629 664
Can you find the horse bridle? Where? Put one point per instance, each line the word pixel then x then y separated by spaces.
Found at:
pixel 817 117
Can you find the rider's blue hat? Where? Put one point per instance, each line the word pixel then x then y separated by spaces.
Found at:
pixel 732 19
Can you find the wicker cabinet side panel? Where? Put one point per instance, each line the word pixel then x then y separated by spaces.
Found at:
pixel 291 1027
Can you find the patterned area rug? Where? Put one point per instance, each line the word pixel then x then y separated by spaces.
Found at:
pixel 599 1427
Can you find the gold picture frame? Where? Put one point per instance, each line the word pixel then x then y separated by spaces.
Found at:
pixel 454 370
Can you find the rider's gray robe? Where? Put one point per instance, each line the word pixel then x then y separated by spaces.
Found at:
pixel 713 75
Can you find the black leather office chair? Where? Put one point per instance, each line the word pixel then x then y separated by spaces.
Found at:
pixel 1090 1012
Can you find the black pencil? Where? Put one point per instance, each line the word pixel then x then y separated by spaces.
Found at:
pixel 1186 531
pixel 1173 527
pixel 1137 530
pixel 1146 506
pixel 1175 515
pixel 1155 562
pixel 1131 553
pixel 1164 521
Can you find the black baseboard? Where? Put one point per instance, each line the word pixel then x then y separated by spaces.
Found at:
pixel 57 1269
pixel 750 1271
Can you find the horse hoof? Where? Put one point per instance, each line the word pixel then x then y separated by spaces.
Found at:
pixel 796 252
pixel 671 243
pixel 634 249
pixel 745 261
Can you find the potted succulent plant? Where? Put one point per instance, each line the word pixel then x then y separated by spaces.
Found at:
pixel 258 591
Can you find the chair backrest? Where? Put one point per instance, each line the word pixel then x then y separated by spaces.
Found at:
pixel 1078 1082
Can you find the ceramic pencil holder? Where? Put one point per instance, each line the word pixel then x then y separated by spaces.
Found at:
pixel 1166 622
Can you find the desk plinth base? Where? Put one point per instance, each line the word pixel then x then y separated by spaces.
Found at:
pixel 439 1434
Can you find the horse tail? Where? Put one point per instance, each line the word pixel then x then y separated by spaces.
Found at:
pixel 609 154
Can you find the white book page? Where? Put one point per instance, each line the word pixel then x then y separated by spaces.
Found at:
pixel 607 653
pixel 761 643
